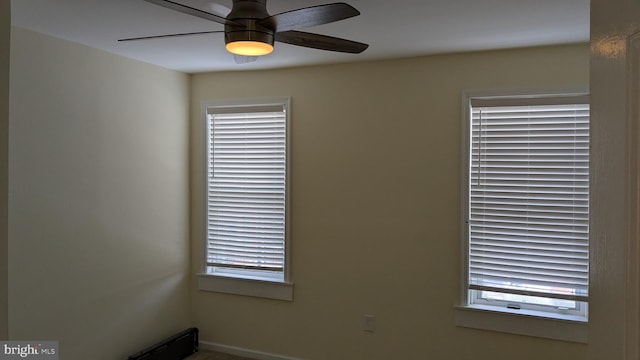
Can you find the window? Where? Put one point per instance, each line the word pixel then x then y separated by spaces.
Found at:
pixel 526 205
pixel 246 212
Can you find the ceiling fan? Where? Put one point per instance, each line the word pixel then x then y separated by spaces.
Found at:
pixel 249 30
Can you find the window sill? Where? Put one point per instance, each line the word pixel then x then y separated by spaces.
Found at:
pixel 249 287
pixel 523 322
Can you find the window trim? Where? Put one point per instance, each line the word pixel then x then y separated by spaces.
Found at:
pixel 523 322
pixel 264 287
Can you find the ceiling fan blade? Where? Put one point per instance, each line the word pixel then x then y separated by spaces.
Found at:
pixel 240 59
pixel 219 9
pixel 193 11
pixel 170 35
pixel 310 16
pixel 210 6
pixel 321 42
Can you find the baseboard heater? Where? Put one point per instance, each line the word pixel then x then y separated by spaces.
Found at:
pixel 176 347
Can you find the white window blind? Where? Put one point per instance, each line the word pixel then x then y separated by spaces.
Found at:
pixel 528 229
pixel 246 188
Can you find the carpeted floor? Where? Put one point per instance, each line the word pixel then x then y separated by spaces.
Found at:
pixel 214 355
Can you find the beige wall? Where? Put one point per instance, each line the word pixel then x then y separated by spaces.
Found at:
pixel 98 206
pixel 376 151
pixel 5 37
pixel 615 221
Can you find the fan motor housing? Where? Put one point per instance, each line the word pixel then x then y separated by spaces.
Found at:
pixel 248 13
pixel 248 9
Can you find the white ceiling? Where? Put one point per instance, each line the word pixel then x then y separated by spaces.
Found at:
pixel 392 29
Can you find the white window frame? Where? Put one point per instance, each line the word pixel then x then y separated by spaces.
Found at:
pixel 258 283
pixel 532 320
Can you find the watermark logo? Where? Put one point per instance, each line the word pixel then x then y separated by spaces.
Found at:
pixel 32 350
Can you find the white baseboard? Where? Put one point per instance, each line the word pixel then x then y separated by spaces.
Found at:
pixel 238 351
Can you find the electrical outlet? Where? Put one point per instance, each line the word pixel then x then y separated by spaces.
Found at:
pixel 369 323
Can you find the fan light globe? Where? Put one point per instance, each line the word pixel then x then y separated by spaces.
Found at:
pixel 249 48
